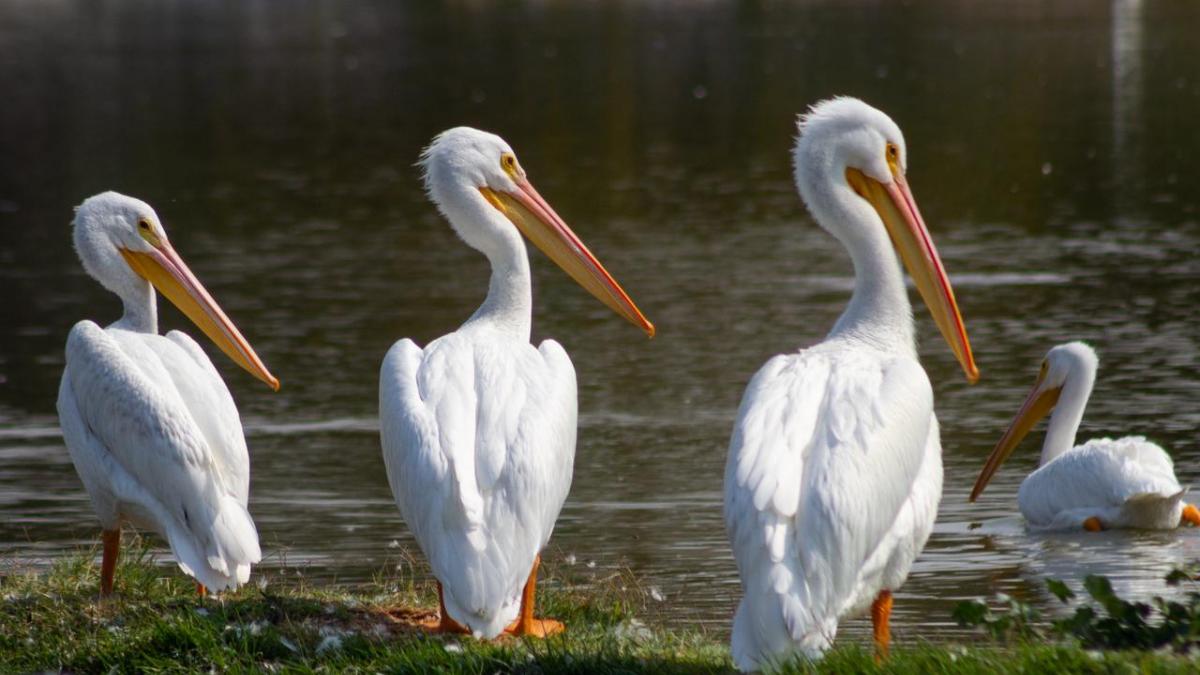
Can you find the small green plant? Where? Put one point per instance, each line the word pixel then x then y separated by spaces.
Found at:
pixel 1013 621
pixel 1109 622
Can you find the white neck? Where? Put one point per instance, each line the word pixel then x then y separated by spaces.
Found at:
pixel 509 303
pixel 1067 415
pixel 141 309
pixel 879 313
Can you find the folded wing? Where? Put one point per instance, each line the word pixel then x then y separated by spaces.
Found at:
pixel 479 439
pixel 824 454
pixel 156 439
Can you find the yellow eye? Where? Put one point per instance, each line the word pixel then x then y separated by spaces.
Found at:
pixel 893 152
pixel 509 163
pixel 147 231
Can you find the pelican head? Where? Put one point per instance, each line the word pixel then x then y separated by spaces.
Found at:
pixel 850 161
pixel 1070 366
pixel 478 184
pixel 124 246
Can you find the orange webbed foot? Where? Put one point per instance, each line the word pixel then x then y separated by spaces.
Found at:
pixel 536 628
pixel 1093 524
pixel 443 624
pixel 1190 515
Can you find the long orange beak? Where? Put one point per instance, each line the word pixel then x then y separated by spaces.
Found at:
pixel 1037 405
pixel 896 207
pixel 163 267
pixel 538 221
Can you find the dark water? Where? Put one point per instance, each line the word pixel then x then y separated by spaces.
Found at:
pixel 1052 147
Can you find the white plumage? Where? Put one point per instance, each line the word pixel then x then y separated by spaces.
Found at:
pixel 834 472
pixel 1104 483
pixel 150 426
pixel 478 429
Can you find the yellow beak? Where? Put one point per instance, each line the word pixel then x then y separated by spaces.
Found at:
pixel 163 267
pixel 1037 405
pixel 538 221
pixel 896 207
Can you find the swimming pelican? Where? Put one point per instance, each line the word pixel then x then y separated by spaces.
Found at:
pixel 835 471
pixel 148 422
pixel 478 429
pixel 1105 483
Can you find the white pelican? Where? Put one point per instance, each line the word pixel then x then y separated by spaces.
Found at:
pixel 149 424
pixel 1105 483
pixel 478 429
pixel 835 470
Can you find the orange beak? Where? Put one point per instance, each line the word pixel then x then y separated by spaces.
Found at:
pixel 163 268
pixel 1037 405
pixel 538 221
pixel 898 209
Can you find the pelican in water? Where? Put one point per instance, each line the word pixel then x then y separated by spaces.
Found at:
pixel 478 428
pixel 1105 483
pixel 148 422
pixel 835 471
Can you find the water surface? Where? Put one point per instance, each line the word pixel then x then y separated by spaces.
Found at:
pixel 1052 150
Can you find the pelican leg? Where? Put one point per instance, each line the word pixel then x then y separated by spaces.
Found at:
pixel 442 624
pixel 201 590
pixel 881 613
pixel 1093 524
pixel 1190 515
pixel 526 625
pixel 108 564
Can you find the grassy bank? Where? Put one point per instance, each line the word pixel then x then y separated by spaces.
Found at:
pixel 155 623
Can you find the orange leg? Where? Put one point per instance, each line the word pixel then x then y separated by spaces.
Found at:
pixel 881 613
pixel 526 625
pixel 442 624
pixel 1093 524
pixel 1190 515
pixel 201 590
pixel 108 565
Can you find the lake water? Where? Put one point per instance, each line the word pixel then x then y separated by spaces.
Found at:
pixel 1052 150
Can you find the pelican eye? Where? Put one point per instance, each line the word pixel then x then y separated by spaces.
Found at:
pixel 147 231
pixel 893 159
pixel 508 162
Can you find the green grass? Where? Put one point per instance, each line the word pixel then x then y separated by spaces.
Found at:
pixel 155 623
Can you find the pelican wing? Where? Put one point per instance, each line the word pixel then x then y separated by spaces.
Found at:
pixel 478 439
pixel 824 455
pixel 1095 479
pixel 152 434
pixel 211 406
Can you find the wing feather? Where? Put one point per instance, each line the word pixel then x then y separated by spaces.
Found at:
pixel 136 445
pixel 824 454
pixel 1099 475
pixel 478 438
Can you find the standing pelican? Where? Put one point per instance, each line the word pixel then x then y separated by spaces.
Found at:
pixel 835 470
pixel 149 424
pixel 1104 483
pixel 478 429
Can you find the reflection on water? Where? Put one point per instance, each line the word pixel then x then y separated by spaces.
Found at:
pixel 1052 149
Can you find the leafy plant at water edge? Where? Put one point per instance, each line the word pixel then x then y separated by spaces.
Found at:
pixel 1111 623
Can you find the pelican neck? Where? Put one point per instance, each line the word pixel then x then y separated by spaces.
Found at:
pixel 508 306
pixel 879 313
pixel 140 309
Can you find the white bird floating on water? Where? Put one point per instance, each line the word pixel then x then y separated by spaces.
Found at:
pixel 478 429
pixel 149 424
pixel 1105 483
pixel 835 471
